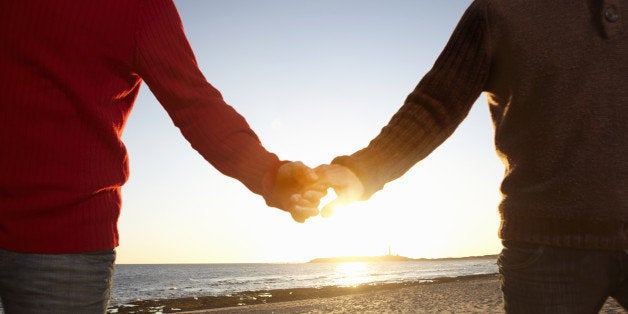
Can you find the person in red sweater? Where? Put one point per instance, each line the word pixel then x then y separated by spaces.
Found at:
pixel 69 74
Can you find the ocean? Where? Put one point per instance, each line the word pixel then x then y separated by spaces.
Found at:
pixel 168 281
pixel 161 281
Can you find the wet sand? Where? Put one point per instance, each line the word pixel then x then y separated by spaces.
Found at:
pixel 472 294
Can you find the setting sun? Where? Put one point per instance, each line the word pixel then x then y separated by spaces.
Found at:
pixel 351 274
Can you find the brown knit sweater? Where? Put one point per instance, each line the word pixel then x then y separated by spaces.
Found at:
pixel 556 76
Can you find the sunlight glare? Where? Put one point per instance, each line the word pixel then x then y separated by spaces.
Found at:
pixel 330 197
pixel 351 274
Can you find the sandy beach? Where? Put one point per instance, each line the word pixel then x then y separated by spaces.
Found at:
pixel 473 294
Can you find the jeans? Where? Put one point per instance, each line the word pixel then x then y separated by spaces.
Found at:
pixel 55 283
pixel 543 279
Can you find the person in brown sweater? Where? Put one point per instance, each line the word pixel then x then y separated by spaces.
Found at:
pixel 556 77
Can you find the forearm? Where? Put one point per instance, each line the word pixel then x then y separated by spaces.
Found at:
pixel 166 62
pixel 224 139
pixel 433 110
pixel 411 135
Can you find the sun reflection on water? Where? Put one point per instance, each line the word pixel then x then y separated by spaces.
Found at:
pixel 351 274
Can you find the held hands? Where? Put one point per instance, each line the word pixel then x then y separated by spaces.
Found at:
pixel 290 194
pixel 345 183
pixel 299 189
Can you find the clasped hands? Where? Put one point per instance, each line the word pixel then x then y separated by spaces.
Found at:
pixel 299 189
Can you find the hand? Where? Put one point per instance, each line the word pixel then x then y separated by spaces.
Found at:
pixel 289 193
pixel 345 183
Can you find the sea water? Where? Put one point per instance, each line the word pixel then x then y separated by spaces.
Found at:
pixel 151 282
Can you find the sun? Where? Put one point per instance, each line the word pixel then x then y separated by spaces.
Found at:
pixel 354 229
pixel 325 201
pixel 351 274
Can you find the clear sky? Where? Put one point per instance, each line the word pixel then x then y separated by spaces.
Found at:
pixel 314 79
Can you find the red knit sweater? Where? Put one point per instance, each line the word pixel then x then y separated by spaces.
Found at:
pixel 69 74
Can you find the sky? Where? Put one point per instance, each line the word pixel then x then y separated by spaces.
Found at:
pixel 314 79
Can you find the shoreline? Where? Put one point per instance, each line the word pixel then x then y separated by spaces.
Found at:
pixel 464 294
pixel 253 298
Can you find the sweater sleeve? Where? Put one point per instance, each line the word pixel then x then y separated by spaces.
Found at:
pixel 166 62
pixel 432 112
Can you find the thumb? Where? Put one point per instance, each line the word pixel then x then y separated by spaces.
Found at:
pixel 328 209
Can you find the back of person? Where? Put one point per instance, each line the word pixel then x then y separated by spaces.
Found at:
pixel 69 74
pixel 557 95
pixel 556 77
pixel 556 91
pixel 66 90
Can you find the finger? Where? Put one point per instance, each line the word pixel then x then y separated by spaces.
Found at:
pixel 301 213
pixel 308 195
pixel 328 209
pixel 307 203
pixel 314 195
pixel 298 218
pixel 308 211
pixel 295 198
pixel 318 186
pixel 301 200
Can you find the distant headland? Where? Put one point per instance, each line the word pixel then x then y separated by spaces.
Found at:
pixel 390 258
